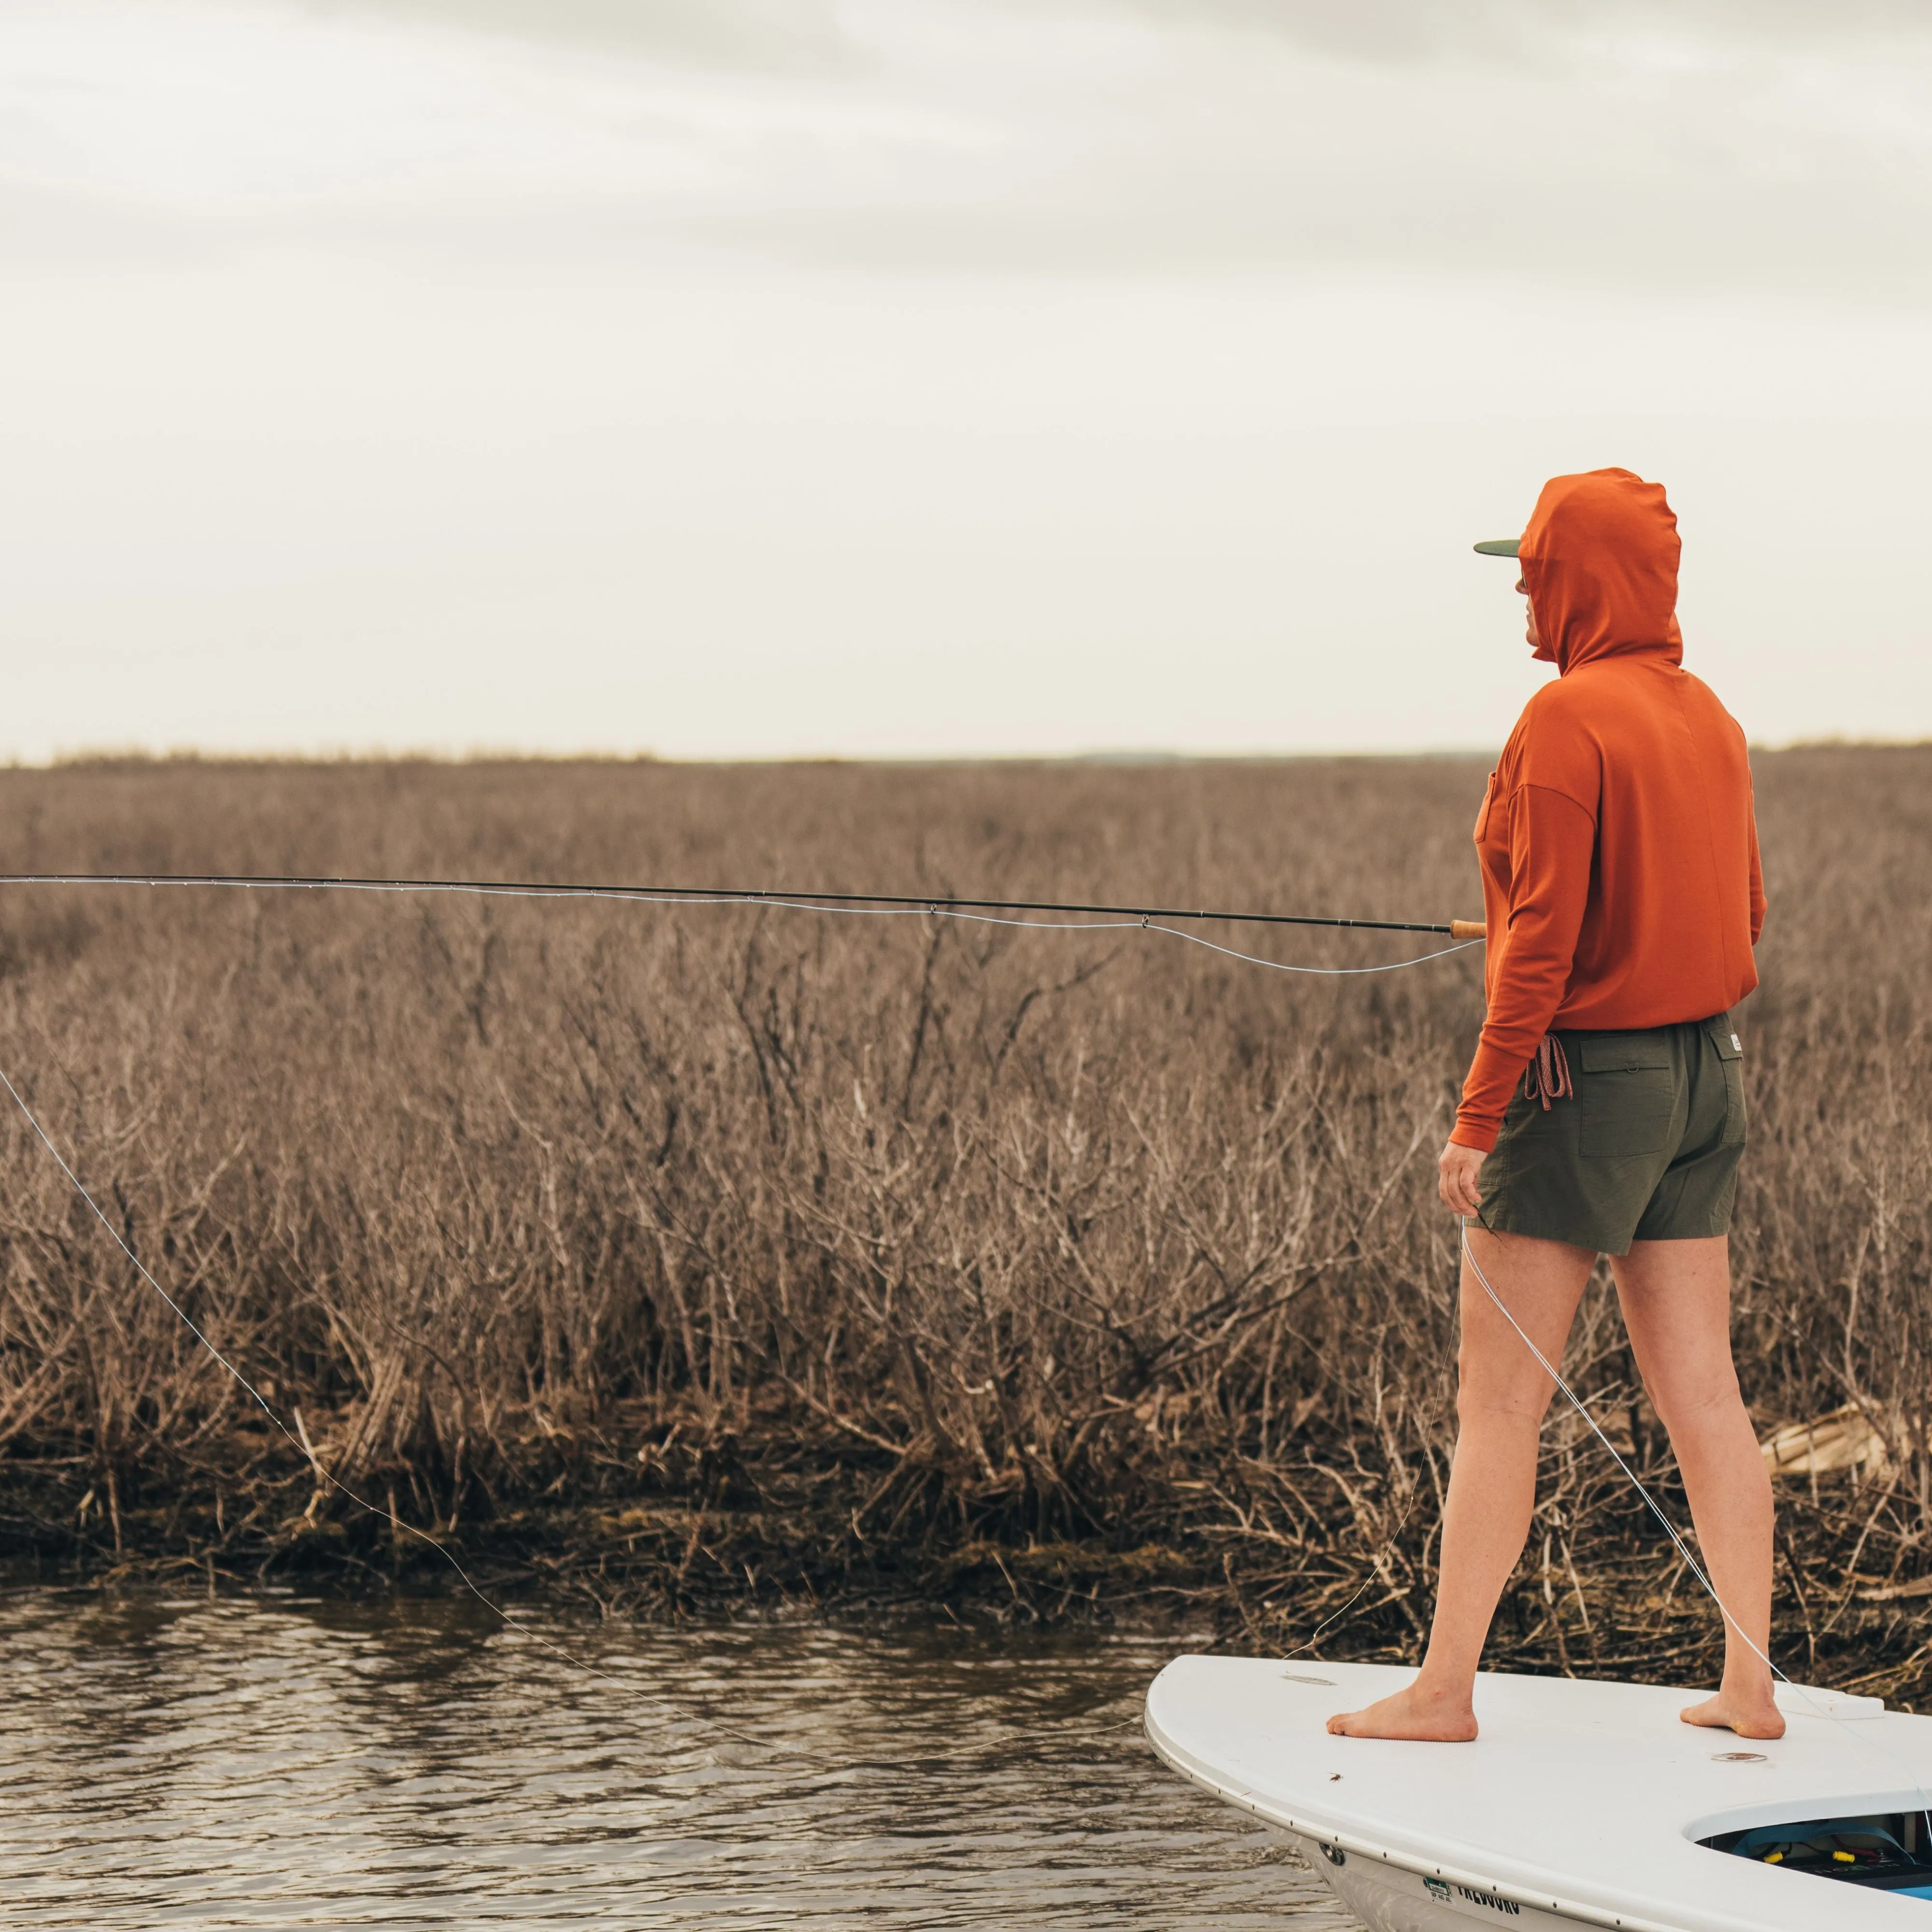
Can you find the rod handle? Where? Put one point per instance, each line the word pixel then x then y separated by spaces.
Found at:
pixel 1467 929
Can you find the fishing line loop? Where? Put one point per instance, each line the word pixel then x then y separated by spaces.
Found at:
pixel 1375 1570
pixel 977 912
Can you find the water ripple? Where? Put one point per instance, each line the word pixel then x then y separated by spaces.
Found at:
pixel 288 1762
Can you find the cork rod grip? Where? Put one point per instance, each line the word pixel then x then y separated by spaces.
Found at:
pixel 1467 929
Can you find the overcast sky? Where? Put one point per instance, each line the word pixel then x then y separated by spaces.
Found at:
pixel 720 377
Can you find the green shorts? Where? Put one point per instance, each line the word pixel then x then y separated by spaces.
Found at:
pixel 1646 1149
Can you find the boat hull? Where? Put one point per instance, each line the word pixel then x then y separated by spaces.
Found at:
pixel 1387 1900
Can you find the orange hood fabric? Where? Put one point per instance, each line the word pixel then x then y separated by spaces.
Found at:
pixel 1621 881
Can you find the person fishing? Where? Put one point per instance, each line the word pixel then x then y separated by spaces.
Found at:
pixel 1603 1112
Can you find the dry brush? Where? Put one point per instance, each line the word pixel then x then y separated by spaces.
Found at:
pixel 690 1253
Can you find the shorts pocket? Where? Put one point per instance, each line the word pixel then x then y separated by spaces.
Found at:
pixel 1731 1057
pixel 1627 1090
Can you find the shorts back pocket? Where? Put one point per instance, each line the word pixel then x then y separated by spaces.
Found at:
pixel 1627 1089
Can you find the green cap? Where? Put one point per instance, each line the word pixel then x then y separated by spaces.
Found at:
pixel 1500 547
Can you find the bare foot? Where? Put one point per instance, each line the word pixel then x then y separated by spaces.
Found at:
pixel 1748 1716
pixel 1417 1714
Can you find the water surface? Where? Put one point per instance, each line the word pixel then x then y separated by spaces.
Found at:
pixel 284 1761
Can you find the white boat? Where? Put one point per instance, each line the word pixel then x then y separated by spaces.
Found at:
pixel 1581 1804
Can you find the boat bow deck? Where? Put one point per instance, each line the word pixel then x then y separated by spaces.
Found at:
pixel 1581 1801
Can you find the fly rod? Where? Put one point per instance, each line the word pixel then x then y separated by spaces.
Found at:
pixel 1461 929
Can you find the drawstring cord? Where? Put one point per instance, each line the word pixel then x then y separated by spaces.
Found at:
pixel 1547 1076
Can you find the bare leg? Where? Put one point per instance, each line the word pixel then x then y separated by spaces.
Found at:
pixel 1501 1397
pixel 1676 1298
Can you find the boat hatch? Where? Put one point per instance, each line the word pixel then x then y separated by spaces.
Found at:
pixel 1888 1851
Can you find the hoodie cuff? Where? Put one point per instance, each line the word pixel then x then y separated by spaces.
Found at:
pixel 1469 1134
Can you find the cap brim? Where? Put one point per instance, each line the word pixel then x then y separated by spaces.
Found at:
pixel 1500 547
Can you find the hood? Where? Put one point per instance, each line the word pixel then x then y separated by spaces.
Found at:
pixel 1600 560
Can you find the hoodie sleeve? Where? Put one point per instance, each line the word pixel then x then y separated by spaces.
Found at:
pixel 1552 840
pixel 1757 900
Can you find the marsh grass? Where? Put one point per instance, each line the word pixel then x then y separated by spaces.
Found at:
pixel 725 1253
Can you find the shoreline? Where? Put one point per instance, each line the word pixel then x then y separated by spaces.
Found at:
pixel 697 1557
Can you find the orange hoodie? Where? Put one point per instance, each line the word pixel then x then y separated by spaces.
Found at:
pixel 1620 885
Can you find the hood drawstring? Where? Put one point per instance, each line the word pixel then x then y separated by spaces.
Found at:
pixel 1547 1076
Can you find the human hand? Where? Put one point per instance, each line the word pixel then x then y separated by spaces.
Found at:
pixel 1458 1166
